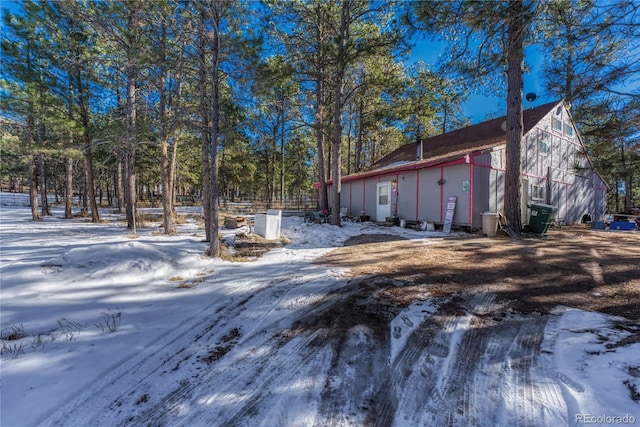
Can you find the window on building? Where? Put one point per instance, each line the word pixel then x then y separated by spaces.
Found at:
pixel 537 192
pixel 543 147
pixel 556 124
pixel 383 195
pixel 568 129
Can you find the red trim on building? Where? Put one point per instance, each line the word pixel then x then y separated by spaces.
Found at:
pixel 441 191
pixel 417 193
pixel 471 190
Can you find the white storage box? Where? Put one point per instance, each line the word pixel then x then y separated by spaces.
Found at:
pixel 268 225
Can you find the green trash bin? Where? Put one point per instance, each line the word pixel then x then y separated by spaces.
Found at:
pixel 541 217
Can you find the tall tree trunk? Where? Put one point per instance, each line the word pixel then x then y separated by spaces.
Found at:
pixel 320 110
pixel 33 189
pixel 272 160
pixel 617 197
pixel 90 196
pixel 167 211
pixel 360 118
pixel 68 202
pixel 205 128
pixel 131 75
pixel 119 184
pixel 214 242
pixel 131 150
pixel 166 190
pixel 173 167
pixel 43 186
pixel 515 57
pixel 444 117
pixel 83 103
pixel 88 165
pixel 282 141
pixel 569 73
pixel 31 128
pixel 174 149
pixel 336 146
pixel 33 174
pixel 628 189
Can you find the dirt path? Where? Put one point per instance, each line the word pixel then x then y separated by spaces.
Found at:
pixel 575 267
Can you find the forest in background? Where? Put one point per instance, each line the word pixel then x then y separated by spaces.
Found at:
pixel 124 102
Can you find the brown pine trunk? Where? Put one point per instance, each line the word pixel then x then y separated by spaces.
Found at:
pixel 173 163
pixel 33 189
pixel 174 150
pixel 68 202
pixel 91 194
pixel 164 144
pixel 336 145
pixel 83 104
pixel 119 185
pixel 130 155
pixel 131 74
pixel 628 197
pixel 43 187
pixel 360 117
pixel 205 129
pixel 515 57
pixel 166 191
pixel 214 242
pixel 272 161
pixel 320 113
pixel 282 138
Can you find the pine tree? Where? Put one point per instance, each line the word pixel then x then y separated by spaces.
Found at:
pixel 593 56
pixel 488 36
pixel 24 63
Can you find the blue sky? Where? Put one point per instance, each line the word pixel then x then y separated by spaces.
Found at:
pixel 479 105
pixel 428 51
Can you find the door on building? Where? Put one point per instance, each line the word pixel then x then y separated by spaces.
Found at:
pixel 383 200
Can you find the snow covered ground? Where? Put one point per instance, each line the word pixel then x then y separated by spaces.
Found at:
pixel 100 328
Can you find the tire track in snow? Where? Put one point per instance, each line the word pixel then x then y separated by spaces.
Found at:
pixel 240 382
pixel 413 369
pixel 237 374
pixel 489 375
pixel 462 365
pixel 425 365
pixel 244 386
pixel 110 396
pixel 356 374
pixel 232 393
pixel 466 350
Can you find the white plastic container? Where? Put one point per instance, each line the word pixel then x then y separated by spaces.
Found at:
pixel 490 223
pixel 268 225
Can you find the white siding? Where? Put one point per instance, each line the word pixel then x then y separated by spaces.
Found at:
pixel 558 170
pixel 429 204
pixel 407 186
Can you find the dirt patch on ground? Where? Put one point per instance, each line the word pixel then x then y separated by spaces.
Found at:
pixel 573 266
pixel 249 247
